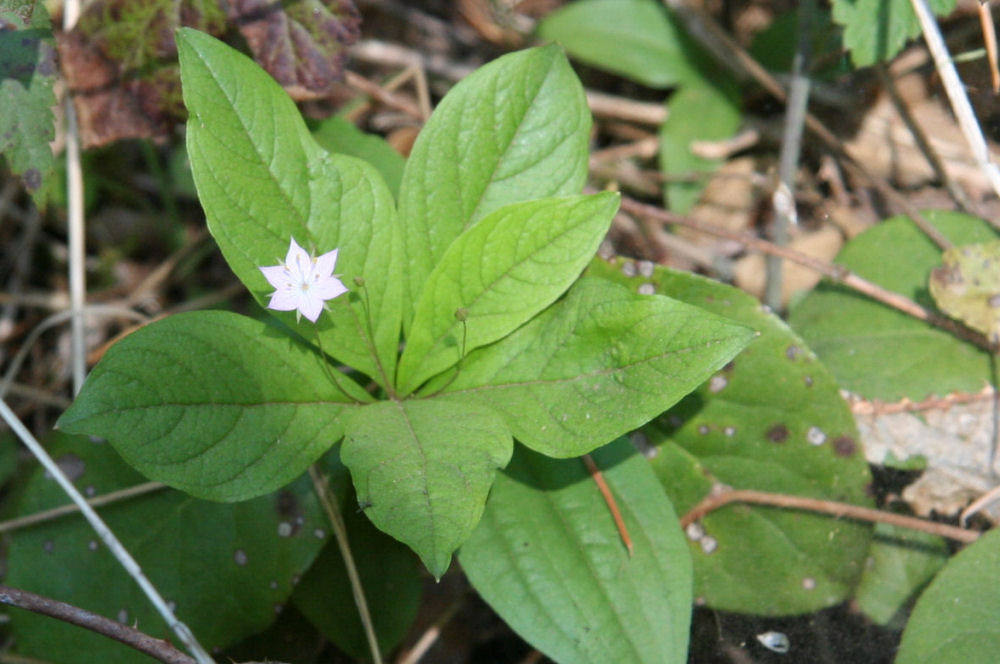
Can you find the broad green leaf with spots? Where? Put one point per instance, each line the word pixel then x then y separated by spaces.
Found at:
pixel 967 286
pixel 218 405
pixel 28 68
pixel 771 420
pixel 852 334
pixel 548 558
pixel 226 567
pixel 639 39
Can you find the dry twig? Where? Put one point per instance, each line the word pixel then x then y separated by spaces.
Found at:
pixel 844 510
pixel 159 649
pixel 835 272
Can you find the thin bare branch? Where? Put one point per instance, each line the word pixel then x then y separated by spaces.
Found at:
pixel 920 138
pixel 72 508
pixel 837 273
pixel 390 99
pixel 609 499
pixel 332 509
pixel 110 540
pixel 842 510
pixel 430 636
pixel 159 649
pixel 785 215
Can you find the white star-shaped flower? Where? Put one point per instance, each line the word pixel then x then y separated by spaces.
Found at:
pixel 304 282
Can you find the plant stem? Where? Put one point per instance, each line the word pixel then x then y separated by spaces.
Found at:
pixel 63 510
pixel 75 222
pixel 372 347
pixel 846 510
pixel 160 649
pixel 785 216
pixel 609 498
pixel 331 374
pixel 332 509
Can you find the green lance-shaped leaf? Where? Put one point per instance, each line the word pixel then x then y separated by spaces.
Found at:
pixel 338 134
pixel 215 404
pixel 955 618
pixel 548 558
pixel 423 469
pixel 262 179
pixel 595 365
pixel 501 272
pixel 514 130
pixel 639 39
pixel 708 110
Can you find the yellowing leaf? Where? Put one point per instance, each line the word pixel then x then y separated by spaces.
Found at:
pixel 967 286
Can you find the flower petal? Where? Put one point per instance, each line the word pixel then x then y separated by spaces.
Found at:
pixel 298 260
pixel 303 283
pixel 311 307
pixel 325 264
pixel 277 276
pixel 327 289
pixel 284 299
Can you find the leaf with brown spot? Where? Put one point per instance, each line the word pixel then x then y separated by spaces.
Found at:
pixel 879 352
pixel 777 433
pixel 27 71
pixel 967 286
pixel 777 423
pixel 225 566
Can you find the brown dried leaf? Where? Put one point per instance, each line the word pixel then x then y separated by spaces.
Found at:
pixel 120 61
pixel 302 44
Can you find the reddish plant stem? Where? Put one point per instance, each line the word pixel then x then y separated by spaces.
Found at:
pixel 837 273
pixel 609 498
pixel 160 649
pixel 845 510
